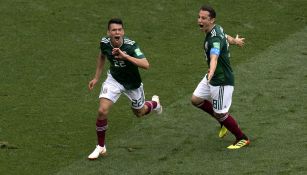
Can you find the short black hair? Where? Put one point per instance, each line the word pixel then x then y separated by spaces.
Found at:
pixel 115 21
pixel 208 8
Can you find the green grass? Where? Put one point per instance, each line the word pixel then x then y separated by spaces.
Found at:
pixel 47 116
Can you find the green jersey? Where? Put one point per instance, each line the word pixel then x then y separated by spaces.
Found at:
pixel 125 72
pixel 216 43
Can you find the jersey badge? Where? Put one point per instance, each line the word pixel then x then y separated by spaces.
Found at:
pixel 138 52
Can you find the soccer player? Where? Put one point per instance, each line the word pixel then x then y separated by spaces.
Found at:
pixel 125 58
pixel 214 93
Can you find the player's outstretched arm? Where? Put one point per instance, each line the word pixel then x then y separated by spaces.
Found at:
pixel 99 68
pixel 236 41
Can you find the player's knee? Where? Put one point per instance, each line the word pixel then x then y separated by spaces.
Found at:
pixel 194 101
pixel 219 116
pixel 102 112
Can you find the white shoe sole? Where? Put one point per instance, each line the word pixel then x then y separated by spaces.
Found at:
pixel 100 155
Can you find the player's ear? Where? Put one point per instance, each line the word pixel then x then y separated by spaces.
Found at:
pixel 108 32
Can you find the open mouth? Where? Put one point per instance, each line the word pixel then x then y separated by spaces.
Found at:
pixel 117 37
pixel 201 26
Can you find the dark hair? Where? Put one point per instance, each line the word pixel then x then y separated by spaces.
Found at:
pixel 115 21
pixel 209 9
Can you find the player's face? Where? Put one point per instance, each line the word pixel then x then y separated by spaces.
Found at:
pixel 205 22
pixel 116 33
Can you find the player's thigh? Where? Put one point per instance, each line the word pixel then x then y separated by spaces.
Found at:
pixel 137 97
pixel 221 98
pixel 202 90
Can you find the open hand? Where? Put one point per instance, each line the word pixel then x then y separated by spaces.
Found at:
pixel 92 83
pixel 239 41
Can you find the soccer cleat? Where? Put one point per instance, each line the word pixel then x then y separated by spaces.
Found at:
pixel 223 131
pixel 97 152
pixel 239 144
pixel 158 109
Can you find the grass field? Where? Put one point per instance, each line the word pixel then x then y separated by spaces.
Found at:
pixel 47 115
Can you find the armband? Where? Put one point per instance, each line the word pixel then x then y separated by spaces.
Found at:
pixel 215 51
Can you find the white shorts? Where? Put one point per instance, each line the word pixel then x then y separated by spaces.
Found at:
pixel 112 90
pixel 219 96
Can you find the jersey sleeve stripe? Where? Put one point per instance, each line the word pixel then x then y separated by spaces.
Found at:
pixel 105 40
pixel 128 41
